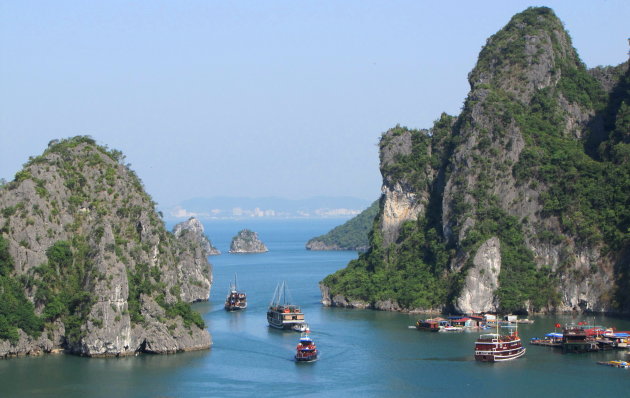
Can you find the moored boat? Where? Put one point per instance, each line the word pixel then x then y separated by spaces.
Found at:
pixel 619 339
pixel 550 340
pixel 451 328
pixel 432 325
pixel 235 300
pixel 493 347
pixel 306 350
pixel 616 364
pixel 281 313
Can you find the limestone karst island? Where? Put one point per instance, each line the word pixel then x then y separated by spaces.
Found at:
pixel 247 241
pixel 87 265
pixel 520 203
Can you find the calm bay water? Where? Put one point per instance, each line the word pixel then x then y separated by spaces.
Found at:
pixel 363 353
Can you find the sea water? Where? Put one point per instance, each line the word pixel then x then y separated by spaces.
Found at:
pixel 362 352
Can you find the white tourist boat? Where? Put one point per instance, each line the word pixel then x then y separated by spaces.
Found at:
pixel 282 314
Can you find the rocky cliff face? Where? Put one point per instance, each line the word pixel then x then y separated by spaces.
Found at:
pixel 94 260
pixel 247 241
pixel 196 279
pixel 194 231
pixel 517 203
pixel 482 279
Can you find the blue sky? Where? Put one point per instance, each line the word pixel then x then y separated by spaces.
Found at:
pixel 253 98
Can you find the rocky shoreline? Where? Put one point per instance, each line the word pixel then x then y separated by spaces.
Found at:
pixel 338 300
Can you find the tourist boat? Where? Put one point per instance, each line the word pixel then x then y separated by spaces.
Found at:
pixel 493 347
pixel 306 350
pixel 281 313
pixel 432 325
pixel 235 300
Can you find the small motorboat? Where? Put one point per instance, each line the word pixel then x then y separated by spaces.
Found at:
pixel 306 349
pixel 451 328
pixel 300 327
pixel 616 364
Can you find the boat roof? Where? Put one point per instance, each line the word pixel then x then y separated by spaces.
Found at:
pixel 489 336
pixel 623 334
pixel 554 335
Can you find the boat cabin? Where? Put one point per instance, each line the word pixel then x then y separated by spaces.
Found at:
pixel 462 322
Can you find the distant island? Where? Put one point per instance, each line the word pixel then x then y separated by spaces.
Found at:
pixel 351 235
pixel 247 241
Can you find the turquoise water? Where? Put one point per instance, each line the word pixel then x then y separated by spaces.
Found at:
pixel 363 353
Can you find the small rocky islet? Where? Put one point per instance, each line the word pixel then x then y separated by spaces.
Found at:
pixel 247 241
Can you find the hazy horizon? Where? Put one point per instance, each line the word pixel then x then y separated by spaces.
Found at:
pixel 253 99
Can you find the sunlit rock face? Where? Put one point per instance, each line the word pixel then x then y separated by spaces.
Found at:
pixel 80 223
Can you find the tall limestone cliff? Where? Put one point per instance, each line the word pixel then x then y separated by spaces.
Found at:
pixel 520 203
pixel 192 233
pixel 89 264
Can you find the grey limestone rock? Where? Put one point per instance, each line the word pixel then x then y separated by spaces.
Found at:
pixel 482 280
pixel 482 172
pixel 247 241
pixel 193 230
pixel 80 193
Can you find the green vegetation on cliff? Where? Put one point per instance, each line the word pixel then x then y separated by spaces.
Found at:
pixel 15 309
pixel 537 127
pixel 351 235
pixel 84 254
pixel 409 271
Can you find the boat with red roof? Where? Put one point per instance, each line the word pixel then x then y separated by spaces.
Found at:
pixel 306 349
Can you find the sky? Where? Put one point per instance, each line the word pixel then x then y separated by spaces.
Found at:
pixel 253 98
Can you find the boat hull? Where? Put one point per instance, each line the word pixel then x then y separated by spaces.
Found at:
pixel 232 308
pixel 274 323
pixel 496 348
pixel 285 319
pixel 279 324
pixel 497 356
pixel 308 358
